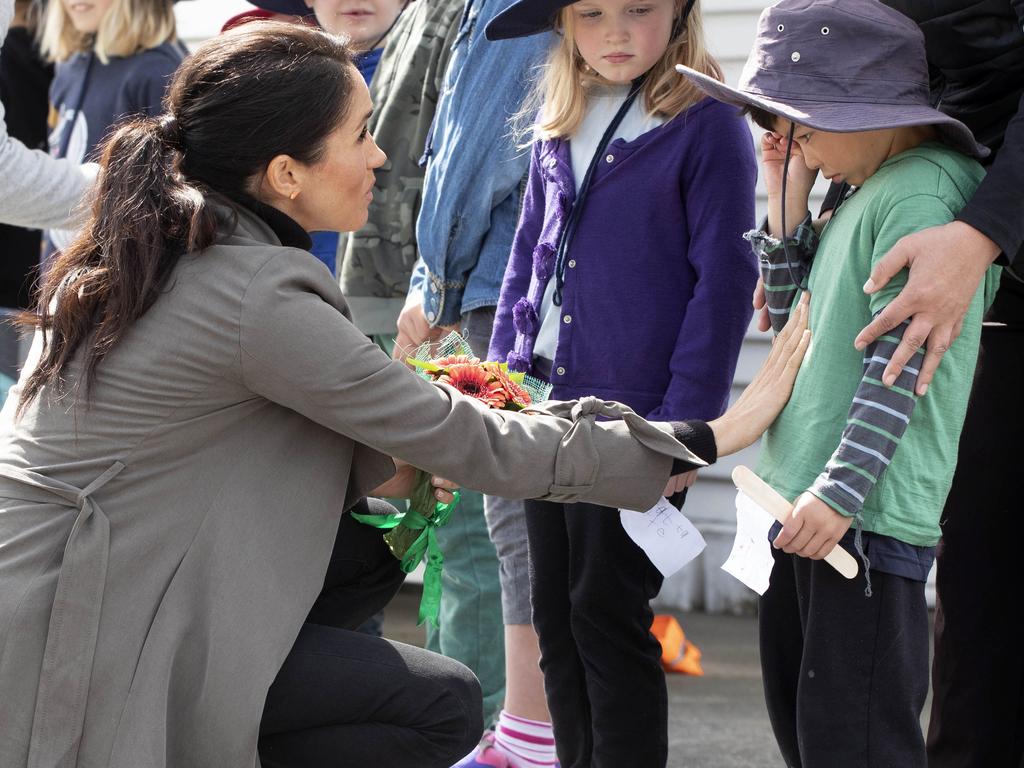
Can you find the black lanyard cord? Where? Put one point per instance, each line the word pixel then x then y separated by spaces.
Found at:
pixel 574 213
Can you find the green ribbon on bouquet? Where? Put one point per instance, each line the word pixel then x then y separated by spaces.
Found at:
pixel 425 543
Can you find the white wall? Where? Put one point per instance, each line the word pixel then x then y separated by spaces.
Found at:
pixel 199 20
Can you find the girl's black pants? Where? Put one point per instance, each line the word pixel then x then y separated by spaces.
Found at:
pixel 591 588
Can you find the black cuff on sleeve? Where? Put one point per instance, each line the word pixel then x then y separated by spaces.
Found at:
pixel 699 438
pixel 998 232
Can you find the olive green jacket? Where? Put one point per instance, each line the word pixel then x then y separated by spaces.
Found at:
pixel 376 262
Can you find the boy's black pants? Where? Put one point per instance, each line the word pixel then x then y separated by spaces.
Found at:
pixel 977 718
pixel 845 675
pixel 591 587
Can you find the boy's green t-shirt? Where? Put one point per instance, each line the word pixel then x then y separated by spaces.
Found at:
pixel 920 188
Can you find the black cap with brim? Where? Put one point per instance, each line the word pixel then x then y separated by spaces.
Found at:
pixel 524 18
pixel 532 17
pixel 284 7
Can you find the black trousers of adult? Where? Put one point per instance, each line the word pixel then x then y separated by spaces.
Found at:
pixel 591 588
pixel 845 675
pixel 345 699
pixel 977 717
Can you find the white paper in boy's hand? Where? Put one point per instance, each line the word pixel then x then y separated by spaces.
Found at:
pixel 664 534
pixel 751 558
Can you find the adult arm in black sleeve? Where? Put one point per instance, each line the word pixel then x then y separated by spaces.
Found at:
pixel 997 207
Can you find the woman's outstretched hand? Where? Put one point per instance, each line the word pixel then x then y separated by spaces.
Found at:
pixel 402 482
pixel 768 393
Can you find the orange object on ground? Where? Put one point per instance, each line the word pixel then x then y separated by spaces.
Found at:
pixel 677 654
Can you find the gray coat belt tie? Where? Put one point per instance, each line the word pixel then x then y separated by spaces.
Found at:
pixel 74 619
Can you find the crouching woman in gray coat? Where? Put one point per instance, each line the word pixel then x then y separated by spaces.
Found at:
pixel 178 571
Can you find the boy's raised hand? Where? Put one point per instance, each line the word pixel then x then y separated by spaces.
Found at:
pixel 773 157
pixel 812 529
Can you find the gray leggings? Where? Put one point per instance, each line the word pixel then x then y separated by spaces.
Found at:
pixel 506 519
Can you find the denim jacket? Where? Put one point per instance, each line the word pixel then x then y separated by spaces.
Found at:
pixel 474 170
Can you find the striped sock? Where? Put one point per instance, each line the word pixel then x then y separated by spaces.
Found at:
pixel 527 743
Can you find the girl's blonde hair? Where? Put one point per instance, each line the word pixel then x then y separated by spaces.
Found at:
pixel 129 26
pixel 560 95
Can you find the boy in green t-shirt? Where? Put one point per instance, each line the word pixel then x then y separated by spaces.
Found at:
pixel 841 86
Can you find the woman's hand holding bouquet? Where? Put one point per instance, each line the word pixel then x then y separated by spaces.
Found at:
pixel 412 534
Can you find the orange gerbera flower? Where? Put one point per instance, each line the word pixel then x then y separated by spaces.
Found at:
pixel 444 362
pixel 474 381
pixel 515 393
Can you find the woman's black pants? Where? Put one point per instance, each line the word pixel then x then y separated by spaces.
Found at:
pixel 347 699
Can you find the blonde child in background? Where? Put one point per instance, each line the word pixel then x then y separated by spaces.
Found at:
pixel 113 59
pixel 628 280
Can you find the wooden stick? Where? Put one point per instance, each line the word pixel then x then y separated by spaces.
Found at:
pixel 776 505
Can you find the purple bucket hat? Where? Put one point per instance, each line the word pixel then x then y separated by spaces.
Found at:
pixel 839 66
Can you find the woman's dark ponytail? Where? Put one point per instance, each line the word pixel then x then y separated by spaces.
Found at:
pixel 240 100
pixel 144 218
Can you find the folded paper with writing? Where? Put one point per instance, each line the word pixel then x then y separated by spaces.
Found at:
pixel 664 533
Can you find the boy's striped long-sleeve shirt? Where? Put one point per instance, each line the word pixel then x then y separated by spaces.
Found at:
pixel 878 415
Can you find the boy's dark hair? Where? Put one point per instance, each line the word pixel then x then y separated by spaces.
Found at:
pixel 761 117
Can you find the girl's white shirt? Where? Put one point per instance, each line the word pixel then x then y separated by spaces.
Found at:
pixel 601 108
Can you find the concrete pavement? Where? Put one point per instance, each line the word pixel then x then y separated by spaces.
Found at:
pixel 715 721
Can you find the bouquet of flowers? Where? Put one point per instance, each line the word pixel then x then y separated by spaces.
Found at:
pixel 411 535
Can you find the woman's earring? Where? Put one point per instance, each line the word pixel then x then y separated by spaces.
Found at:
pixel 293 195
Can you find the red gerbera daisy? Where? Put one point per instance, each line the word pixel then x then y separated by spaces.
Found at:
pixel 513 391
pixel 474 381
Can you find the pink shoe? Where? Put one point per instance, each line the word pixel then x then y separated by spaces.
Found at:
pixel 487 755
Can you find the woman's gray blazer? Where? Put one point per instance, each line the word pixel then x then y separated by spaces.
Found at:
pixel 164 533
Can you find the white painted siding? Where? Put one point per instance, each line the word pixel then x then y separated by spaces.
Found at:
pixel 200 20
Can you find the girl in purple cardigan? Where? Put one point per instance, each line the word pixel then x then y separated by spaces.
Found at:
pixel 628 279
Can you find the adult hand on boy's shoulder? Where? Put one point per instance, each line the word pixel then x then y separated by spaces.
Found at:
pixel 812 529
pixel 947 264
